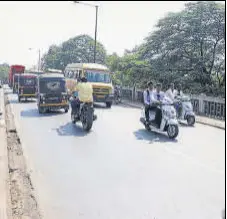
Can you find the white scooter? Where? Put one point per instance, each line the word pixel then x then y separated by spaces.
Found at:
pixel 169 121
pixel 186 110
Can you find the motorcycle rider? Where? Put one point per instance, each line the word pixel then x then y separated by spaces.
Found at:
pixel 158 96
pixel 83 93
pixel 148 99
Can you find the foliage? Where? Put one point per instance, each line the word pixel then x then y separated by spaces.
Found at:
pixel 74 50
pixel 4 70
pixel 188 47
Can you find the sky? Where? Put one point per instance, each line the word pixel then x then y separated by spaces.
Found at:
pixel 37 25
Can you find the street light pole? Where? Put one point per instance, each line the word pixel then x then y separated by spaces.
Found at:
pixel 39 61
pixel 39 58
pixel 96 22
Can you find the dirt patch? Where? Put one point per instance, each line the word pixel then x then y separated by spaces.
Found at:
pixel 23 202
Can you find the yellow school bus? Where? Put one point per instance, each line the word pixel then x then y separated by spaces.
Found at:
pixel 98 75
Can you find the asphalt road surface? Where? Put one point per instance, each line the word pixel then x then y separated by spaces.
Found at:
pixel 119 170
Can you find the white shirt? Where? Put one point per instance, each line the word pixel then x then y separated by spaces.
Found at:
pixel 160 94
pixel 145 98
pixel 171 94
pixel 179 93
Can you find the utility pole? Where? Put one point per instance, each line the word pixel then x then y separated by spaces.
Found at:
pixel 96 22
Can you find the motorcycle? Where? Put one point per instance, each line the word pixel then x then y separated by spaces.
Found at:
pixel 85 115
pixel 186 112
pixel 169 121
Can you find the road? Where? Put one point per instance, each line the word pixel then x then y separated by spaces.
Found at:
pixel 119 170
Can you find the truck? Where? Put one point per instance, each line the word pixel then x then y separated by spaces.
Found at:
pixel 15 69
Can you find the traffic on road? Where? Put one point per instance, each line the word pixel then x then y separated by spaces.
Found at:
pixel 119 169
pixel 128 124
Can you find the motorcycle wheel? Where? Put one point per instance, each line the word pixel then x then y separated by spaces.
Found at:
pixel 191 120
pixel 172 131
pixel 87 120
pixel 73 118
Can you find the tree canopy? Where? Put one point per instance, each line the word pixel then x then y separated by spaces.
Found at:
pixel 74 50
pixel 189 46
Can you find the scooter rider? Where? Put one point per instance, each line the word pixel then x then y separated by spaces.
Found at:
pixel 158 96
pixel 148 99
pixel 171 92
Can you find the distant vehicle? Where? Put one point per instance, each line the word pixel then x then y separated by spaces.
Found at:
pixel 15 69
pixel 51 92
pixel 98 75
pixel 51 70
pixel 27 84
pixel 35 72
pixel 186 112
pixel 15 83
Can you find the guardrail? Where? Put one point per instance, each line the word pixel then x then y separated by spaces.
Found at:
pixel 203 105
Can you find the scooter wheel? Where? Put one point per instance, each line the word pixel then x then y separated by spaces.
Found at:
pixel 172 131
pixel 191 120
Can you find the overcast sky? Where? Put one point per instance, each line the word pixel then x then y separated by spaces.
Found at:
pixel 121 25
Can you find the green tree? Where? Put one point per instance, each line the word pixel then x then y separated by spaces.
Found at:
pixel 4 70
pixel 188 46
pixel 77 49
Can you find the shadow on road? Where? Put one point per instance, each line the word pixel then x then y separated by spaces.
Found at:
pixel 143 134
pixel 15 101
pixel 185 125
pixel 100 106
pixel 70 129
pixel 35 113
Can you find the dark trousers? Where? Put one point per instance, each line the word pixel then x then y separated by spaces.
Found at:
pixel 147 110
pixel 158 116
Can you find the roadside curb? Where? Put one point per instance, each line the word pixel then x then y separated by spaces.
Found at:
pixel 29 168
pixel 4 176
pixel 197 121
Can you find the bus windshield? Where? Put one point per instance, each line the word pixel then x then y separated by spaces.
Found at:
pixel 97 76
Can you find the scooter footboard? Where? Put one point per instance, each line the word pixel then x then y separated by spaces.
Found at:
pixel 172 122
